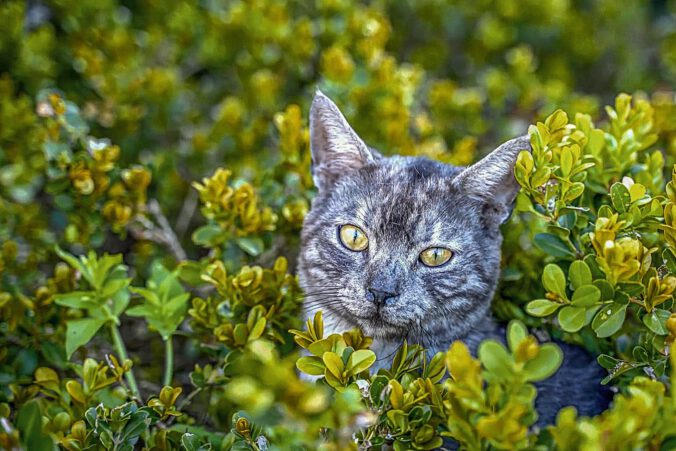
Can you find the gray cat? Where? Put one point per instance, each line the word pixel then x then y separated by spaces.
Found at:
pixel 408 248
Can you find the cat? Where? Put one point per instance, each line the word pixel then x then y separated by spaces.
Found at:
pixel 409 248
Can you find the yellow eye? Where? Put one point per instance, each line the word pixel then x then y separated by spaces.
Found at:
pixel 435 256
pixel 353 238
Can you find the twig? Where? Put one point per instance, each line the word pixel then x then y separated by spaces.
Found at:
pixel 268 257
pixel 184 403
pixel 172 239
pixel 187 211
pixel 143 229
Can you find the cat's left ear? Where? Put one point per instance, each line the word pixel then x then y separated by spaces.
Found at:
pixel 492 179
pixel 336 147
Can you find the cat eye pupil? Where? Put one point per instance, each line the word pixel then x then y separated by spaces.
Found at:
pixel 435 256
pixel 353 238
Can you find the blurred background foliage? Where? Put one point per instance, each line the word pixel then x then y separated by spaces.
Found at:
pixel 115 115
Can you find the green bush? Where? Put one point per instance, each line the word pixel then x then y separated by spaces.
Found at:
pixel 147 299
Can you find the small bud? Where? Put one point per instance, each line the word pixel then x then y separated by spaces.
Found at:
pixel 242 426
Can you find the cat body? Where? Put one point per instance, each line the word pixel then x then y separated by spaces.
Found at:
pixel 406 248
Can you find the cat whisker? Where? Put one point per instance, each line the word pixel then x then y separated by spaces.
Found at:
pixel 388 356
pixel 316 295
pixel 325 303
pixel 318 292
pixel 322 289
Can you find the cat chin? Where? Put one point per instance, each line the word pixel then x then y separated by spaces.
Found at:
pixel 380 328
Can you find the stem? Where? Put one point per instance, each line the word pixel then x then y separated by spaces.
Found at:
pixel 122 353
pixel 168 360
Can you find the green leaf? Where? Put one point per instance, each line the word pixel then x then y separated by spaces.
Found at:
pixel 148 295
pixel 137 424
pixel 105 269
pixel 620 197
pixel 571 318
pixel 495 358
pixel 192 442
pixel 165 302
pixel 77 299
pixel 669 259
pixel 29 423
pixel 631 288
pixel 579 274
pixel 240 334
pixel 606 289
pixel 576 189
pixel 657 321
pixel 540 176
pixel 516 332
pixel 360 360
pixel 258 329
pixel 593 266
pixel 420 414
pixel 546 363
pixel 333 363
pixel 80 331
pixel 251 245
pixel 311 365
pixel 636 192
pixel 436 369
pixel 542 307
pixel 190 272
pixel 607 361
pixel 609 319
pixel 640 354
pixel 399 419
pixel 120 302
pixel 319 347
pixel 208 235
pixel 586 296
pixel 566 161
pixel 554 280
pixel 139 310
pixel 73 261
pixel 553 245
pixel 113 286
pixel 378 384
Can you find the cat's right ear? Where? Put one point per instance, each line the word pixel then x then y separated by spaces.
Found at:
pixel 336 147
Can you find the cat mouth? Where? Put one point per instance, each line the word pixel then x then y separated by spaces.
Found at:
pixel 377 325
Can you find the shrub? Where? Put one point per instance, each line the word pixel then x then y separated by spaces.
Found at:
pixel 154 174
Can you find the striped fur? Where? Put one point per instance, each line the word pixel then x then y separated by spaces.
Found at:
pixel 405 205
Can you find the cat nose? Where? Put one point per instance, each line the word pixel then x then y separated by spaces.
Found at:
pixel 380 297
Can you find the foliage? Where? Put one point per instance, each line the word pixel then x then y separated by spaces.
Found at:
pixel 600 196
pixel 410 403
pixel 155 172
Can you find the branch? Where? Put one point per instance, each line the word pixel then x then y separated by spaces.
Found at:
pixel 144 229
pixel 187 211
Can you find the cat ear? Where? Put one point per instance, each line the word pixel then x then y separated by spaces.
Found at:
pixel 492 179
pixel 336 148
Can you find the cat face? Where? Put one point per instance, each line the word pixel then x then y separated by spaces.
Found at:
pixel 401 247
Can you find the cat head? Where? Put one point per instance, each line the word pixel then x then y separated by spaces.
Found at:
pixel 401 247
